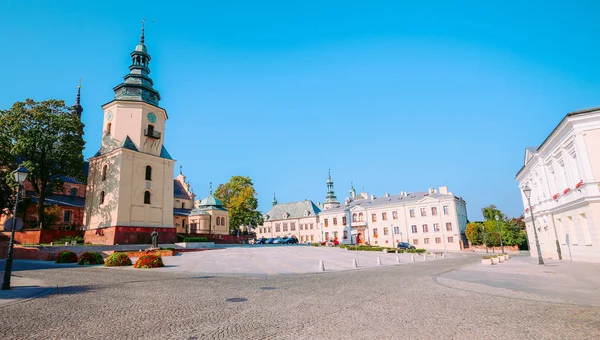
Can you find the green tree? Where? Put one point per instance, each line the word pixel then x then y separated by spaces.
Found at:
pixel 239 197
pixel 47 137
pixel 474 233
pixel 490 212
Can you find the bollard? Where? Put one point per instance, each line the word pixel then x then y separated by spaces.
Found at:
pixel 424 257
pixel 397 258
pixel 412 257
pixel 443 255
pixel 378 261
pixel 51 243
pixel 321 266
pixel 434 256
pixel 354 263
pixel 396 251
pixel 66 243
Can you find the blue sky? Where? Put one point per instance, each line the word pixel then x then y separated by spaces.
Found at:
pixel 393 95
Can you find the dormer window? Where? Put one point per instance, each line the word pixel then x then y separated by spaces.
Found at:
pixel 267 217
pixel 306 213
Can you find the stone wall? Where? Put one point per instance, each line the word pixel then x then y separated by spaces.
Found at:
pixel 128 235
pixel 38 236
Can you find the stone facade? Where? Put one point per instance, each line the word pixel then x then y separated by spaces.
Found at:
pixel 298 219
pixel 564 176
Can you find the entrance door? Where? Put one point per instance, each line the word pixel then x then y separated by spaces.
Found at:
pixel 359 238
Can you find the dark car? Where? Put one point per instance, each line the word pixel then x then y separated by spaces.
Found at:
pixel 405 245
pixel 261 240
pixel 291 240
pixel 270 241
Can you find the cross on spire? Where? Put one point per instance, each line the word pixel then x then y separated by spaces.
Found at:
pixel 211 188
pixel 181 169
pixel 142 37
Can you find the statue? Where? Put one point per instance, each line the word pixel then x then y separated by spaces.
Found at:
pixel 154 238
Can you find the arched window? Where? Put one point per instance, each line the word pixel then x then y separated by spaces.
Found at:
pixel 183 205
pixel 218 221
pixel 148 173
pixel 360 217
pixel 108 128
pixel 223 221
pixel 102 197
pixel 146 197
pixel 354 218
pixel 104 169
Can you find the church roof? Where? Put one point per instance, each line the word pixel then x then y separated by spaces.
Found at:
pixel 389 200
pixel 56 199
pixel 292 210
pixel 179 190
pixel 198 211
pixel 164 153
pixel 128 144
pixel 210 201
pixel 181 212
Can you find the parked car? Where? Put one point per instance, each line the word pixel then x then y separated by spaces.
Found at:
pixel 278 240
pixel 270 241
pixel 261 240
pixel 291 240
pixel 405 245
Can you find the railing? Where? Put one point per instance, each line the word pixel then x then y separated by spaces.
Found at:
pixel 151 134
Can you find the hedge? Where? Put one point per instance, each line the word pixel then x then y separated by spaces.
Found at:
pixel 149 261
pixel 62 240
pixel 195 239
pixel 117 260
pixel 89 258
pixel 66 256
pixel 418 251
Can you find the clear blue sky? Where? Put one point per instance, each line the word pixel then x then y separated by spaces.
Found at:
pixel 394 95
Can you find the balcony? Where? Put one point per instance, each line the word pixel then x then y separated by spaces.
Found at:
pixel 150 133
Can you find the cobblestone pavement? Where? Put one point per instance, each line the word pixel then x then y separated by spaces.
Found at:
pixel 376 303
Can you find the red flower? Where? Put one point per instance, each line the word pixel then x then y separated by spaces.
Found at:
pixel 578 184
pixel 526 210
pixel 566 190
pixel 555 196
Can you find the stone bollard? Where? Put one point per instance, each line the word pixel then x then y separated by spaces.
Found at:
pixel 378 261
pixel 396 251
pixel 424 257
pixel 321 266
pixel 354 263
pixel 434 256
pixel 66 243
pixel 51 243
pixel 397 258
pixel 412 257
pixel 443 255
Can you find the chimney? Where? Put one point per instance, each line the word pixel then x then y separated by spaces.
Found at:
pixel 387 194
pixel 444 190
pixel 372 197
pixel 431 190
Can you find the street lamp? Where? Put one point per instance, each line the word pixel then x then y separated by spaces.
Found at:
pixel 499 232
pixel 20 176
pixel 484 238
pixel 527 192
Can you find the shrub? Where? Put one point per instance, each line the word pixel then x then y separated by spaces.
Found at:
pixel 117 260
pixel 315 244
pixel 77 239
pixel 343 246
pixel 66 256
pixel 486 257
pixel 149 261
pixel 495 256
pixel 90 257
pixel 195 239
pixel 400 251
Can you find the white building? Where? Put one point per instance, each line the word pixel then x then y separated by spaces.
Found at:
pixel 298 219
pixel 564 173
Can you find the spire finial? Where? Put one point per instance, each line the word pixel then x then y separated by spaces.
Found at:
pixel 77 108
pixel 274 200
pixel 329 172
pixel 77 100
pixel 181 169
pixel 211 188
pixel 142 37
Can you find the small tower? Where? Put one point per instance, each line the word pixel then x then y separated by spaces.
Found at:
pixel 352 191
pixel 330 199
pixel 274 200
pixel 77 108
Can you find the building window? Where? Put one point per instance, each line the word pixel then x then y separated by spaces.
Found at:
pixel 414 228
pixel 426 241
pixel 183 205
pixel 104 170
pixel 433 211
pixel 384 216
pixel 344 220
pixel 423 212
pixel 335 235
pixel 375 233
pixel 293 226
pixel 448 226
pixel 146 197
pixel 354 218
pixel 218 221
pixel 326 223
pixel 302 238
pixel 285 227
pixel 67 216
pixel 374 217
pixel 73 191
pixel 150 130
pixel 438 240
pixel 311 226
pixel 277 227
pixel 396 230
pixel 335 221
pixel 345 234
pixel 360 217
pixel 394 215
pixel 415 242
pixel 260 230
pixel 446 211
pixel 385 231
pixel 108 128
pixel 312 237
pixel 412 212
pixel 450 239
pixel 425 228
pixel 270 229
pixel 436 227
pixel 148 173
pixel 326 236
pixel 102 197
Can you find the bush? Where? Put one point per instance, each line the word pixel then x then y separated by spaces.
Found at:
pixel 315 244
pixel 149 261
pixel 62 240
pixel 486 257
pixel 66 256
pixel 417 251
pixel 90 257
pixel 343 246
pixel 195 239
pixel 117 260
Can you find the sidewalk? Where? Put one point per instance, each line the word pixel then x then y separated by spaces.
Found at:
pixel 22 289
pixel 569 282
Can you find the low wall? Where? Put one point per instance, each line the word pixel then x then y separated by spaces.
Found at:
pixel 129 235
pixel 482 248
pixel 38 236
pixel 196 245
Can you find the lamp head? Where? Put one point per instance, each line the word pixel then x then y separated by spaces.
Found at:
pixel 20 174
pixel 527 191
pixel 497 217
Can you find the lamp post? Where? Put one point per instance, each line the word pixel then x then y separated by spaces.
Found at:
pixel 499 232
pixel 484 238
pixel 20 176
pixel 527 192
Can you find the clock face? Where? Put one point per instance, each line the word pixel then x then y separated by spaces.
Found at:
pixel 109 116
pixel 152 117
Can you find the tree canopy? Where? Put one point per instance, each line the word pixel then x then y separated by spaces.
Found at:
pixel 47 138
pixel 239 197
pixel 512 230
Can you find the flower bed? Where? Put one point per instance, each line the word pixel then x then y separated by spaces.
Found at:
pixel 66 256
pixel 195 239
pixel 578 184
pixel 566 190
pixel 89 258
pixel 149 261
pixel 162 252
pixel 555 196
pixel 117 260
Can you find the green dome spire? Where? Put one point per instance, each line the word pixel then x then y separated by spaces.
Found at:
pixel 330 198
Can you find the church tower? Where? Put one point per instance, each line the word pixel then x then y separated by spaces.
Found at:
pixel 330 200
pixel 130 181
